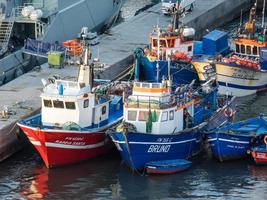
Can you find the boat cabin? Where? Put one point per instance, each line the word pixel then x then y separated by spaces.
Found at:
pixel 68 101
pixel 248 47
pixel 171 42
pixel 153 109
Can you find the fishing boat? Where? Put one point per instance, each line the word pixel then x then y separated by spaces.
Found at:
pixel 259 153
pixel 176 43
pixel 167 166
pixel 242 71
pixel 162 124
pixel 234 140
pixel 72 124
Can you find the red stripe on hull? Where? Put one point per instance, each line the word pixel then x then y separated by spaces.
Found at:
pixel 156 171
pixel 61 148
pixel 259 157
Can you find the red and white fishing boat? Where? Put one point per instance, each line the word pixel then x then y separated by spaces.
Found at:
pixel 73 120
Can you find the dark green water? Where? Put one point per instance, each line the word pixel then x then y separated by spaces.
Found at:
pixel 24 175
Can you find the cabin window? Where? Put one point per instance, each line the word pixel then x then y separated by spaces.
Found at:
pixel 243 49
pixel 143 116
pixel 146 85
pixel 164 116
pixel 171 115
pixel 248 48
pixel 137 84
pixel 132 115
pixel 171 43
pixel 86 103
pixel 104 110
pixel 255 50
pixel 189 49
pixel 163 43
pixel 70 105
pixel 58 104
pixel 237 48
pixel 82 85
pixel 48 103
pixel 155 85
pixel 155 43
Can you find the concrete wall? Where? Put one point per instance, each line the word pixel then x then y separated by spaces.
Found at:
pixel 221 13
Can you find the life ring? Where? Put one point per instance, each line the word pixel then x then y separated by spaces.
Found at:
pixel 265 139
pixel 228 112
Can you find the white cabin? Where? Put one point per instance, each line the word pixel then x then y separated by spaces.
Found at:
pixel 156 100
pixel 76 105
pixel 72 102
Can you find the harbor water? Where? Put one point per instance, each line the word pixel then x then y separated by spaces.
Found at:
pixel 24 176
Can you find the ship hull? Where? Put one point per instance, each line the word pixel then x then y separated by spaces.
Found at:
pixel 232 79
pixel 228 147
pixel 57 147
pixel 259 154
pixel 137 149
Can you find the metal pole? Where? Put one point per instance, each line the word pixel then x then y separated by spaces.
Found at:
pixel 263 12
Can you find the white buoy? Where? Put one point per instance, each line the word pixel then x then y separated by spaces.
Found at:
pixel 26 11
pixel 36 14
pixel 188 32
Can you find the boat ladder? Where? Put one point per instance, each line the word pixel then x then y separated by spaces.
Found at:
pixel 5 33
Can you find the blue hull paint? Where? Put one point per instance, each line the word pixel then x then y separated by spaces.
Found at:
pixel 144 148
pixel 180 74
pixel 167 166
pixel 228 146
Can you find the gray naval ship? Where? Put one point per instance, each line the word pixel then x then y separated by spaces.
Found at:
pixel 55 21
pixel 49 21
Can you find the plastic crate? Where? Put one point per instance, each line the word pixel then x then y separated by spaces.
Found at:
pixel 55 59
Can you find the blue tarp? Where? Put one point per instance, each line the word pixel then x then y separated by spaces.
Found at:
pixel 40 48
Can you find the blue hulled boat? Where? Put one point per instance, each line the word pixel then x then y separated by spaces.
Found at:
pixel 233 141
pixel 176 44
pixel 167 166
pixel 162 124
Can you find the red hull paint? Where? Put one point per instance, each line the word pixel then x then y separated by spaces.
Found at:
pixel 259 157
pixel 60 148
pixel 155 171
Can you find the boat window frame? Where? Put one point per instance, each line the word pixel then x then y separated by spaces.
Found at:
pixel 248 50
pixel 242 49
pixel 253 50
pixel 104 110
pixel 237 48
pixel 189 48
pixel 86 103
pixel 145 118
pixel 58 104
pixel 165 117
pixel 132 111
pixel 68 103
pixel 46 105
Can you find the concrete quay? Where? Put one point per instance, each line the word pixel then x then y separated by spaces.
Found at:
pixel 115 51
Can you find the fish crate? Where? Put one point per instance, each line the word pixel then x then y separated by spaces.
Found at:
pixel 56 59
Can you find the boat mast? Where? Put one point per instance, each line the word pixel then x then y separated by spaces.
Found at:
pixel 263 13
pixel 158 32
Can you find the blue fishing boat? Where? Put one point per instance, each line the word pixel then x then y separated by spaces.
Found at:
pixel 234 140
pixel 167 166
pixel 162 124
pixel 175 44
